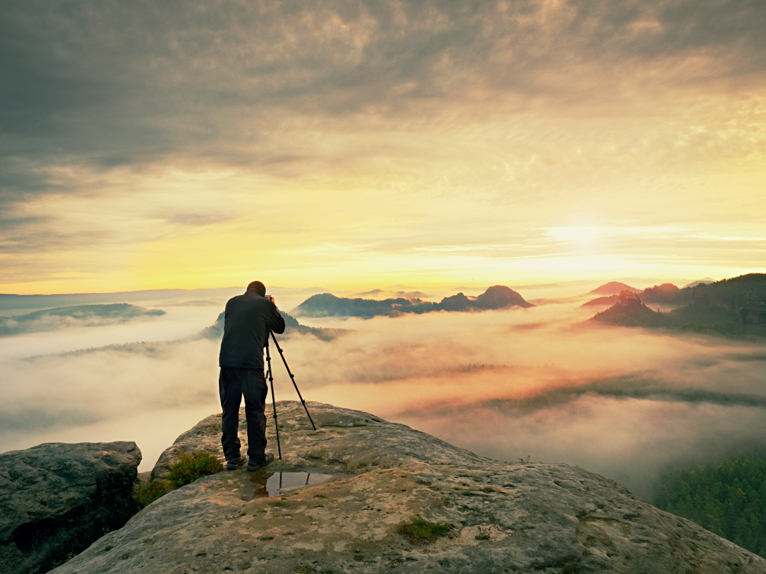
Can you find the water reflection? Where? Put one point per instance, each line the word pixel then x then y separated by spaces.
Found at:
pixel 275 483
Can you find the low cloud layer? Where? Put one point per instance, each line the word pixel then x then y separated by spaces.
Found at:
pixel 506 384
pixel 74 317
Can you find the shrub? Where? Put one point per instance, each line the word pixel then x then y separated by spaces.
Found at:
pixel 148 493
pixel 192 466
pixel 421 531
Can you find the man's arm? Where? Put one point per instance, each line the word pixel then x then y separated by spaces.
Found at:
pixel 275 321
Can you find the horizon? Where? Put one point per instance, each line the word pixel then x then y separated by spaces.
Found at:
pixel 446 287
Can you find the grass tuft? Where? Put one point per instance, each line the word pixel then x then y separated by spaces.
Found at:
pixel 148 493
pixel 420 531
pixel 192 466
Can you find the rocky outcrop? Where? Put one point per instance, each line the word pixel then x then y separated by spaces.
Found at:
pixel 488 516
pixel 628 311
pixel 500 297
pixel 57 499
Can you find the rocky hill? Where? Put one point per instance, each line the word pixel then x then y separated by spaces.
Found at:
pixel 328 305
pixel 613 288
pixel 629 311
pixel 731 307
pixel 392 499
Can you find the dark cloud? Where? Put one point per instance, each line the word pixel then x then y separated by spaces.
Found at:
pixel 108 84
pixel 34 235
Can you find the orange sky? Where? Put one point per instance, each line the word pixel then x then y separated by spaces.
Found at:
pixel 366 144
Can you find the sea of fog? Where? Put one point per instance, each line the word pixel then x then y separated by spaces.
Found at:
pixel 512 384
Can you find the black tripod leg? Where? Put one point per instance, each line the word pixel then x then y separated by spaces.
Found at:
pixel 292 378
pixel 273 398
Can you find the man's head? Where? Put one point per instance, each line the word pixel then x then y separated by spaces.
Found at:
pixel 257 287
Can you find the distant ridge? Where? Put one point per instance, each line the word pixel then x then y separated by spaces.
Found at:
pixel 705 281
pixel 613 288
pixel 730 307
pixel 328 305
pixel 602 301
pixel 665 294
pixel 11 301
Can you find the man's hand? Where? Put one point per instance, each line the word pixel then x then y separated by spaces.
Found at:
pixel 270 298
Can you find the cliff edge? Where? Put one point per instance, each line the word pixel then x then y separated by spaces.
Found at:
pixel 387 498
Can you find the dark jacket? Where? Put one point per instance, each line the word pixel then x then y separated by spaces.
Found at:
pixel 247 322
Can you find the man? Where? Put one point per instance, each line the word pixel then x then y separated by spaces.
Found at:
pixel 247 322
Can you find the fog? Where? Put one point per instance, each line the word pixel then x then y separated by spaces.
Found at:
pixel 535 383
pixel 177 323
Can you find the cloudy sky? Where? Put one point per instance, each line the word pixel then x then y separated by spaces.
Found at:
pixel 366 143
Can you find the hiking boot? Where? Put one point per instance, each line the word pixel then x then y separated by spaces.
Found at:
pixel 235 463
pixel 254 465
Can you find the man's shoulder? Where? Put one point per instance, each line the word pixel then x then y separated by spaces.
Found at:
pixel 239 299
pixel 248 302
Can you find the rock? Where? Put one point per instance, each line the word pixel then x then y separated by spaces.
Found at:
pixel 57 499
pixel 488 516
pixel 500 297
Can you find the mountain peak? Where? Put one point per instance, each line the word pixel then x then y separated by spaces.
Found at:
pixel 613 288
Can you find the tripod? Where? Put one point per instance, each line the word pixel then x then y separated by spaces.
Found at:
pixel 271 383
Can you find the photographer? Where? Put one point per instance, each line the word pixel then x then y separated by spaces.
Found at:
pixel 247 322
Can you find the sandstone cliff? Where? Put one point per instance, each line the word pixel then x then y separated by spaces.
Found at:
pixel 495 516
pixel 57 499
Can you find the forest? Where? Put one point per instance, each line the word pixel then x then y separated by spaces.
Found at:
pixel 728 499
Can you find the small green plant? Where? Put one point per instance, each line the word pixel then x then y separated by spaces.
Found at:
pixel 148 493
pixel 192 466
pixel 421 531
pixel 57 563
pixel 484 533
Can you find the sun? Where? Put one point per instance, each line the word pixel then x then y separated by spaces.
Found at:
pixel 581 237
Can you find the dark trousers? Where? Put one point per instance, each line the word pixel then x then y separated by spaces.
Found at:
pixel 232 385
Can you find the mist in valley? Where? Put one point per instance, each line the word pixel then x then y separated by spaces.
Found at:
pixel 511 384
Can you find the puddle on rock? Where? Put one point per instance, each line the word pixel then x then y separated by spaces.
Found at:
pixel 275 483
